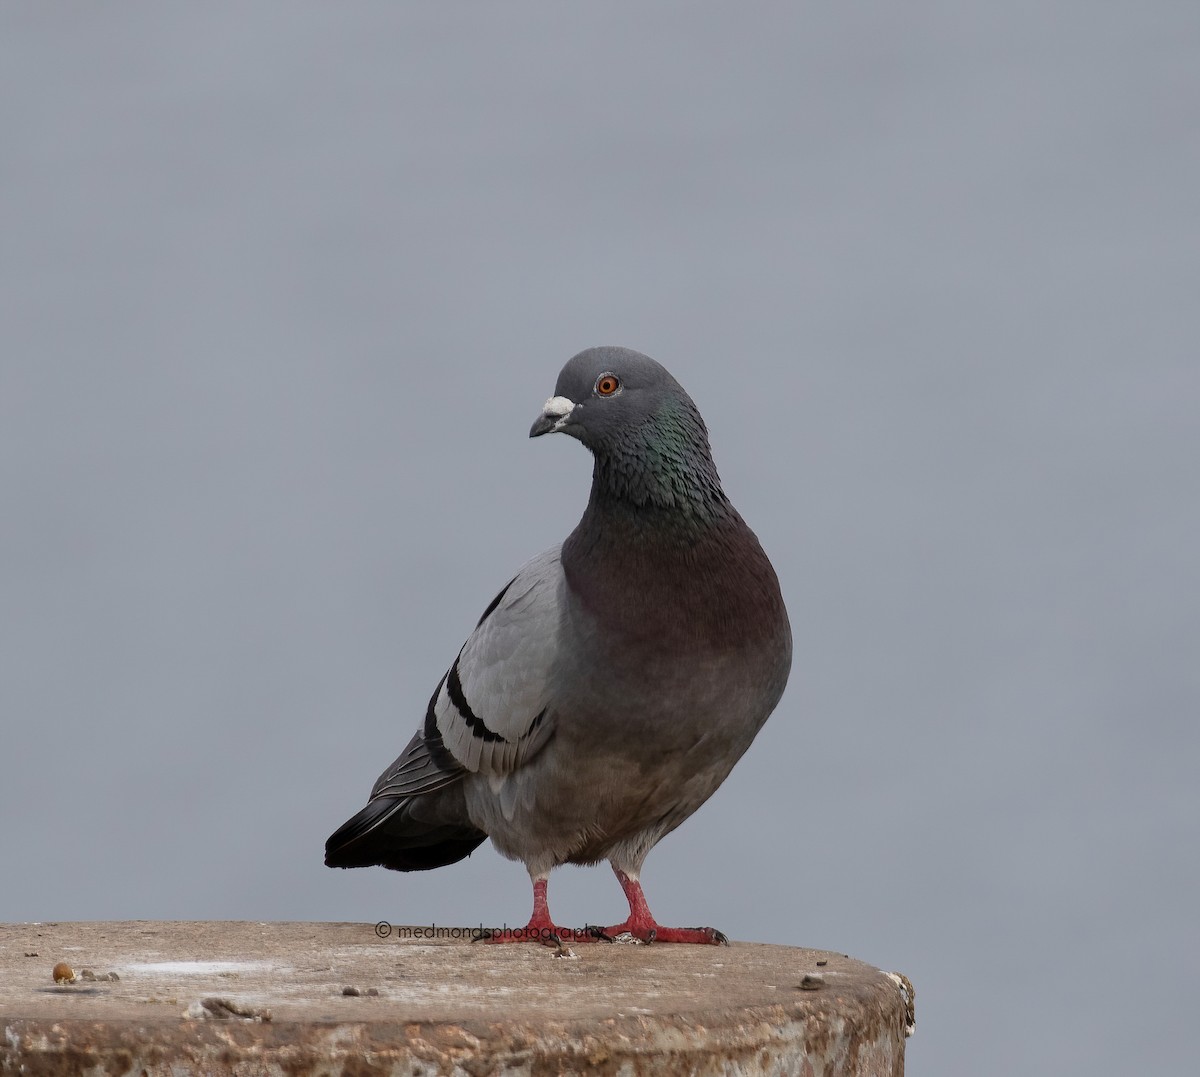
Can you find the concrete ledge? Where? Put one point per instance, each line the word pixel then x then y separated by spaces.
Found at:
pixel 271 998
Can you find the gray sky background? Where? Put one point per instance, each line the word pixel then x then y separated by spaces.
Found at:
pixel 282 287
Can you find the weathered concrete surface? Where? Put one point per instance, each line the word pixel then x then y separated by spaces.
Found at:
pixel 443 1006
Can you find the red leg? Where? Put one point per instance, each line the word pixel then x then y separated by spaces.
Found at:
pixel 642 925
pixel 540 927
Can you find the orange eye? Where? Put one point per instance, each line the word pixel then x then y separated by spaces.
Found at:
pixel 607 384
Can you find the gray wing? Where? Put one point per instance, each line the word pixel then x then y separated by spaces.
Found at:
pixel 492 710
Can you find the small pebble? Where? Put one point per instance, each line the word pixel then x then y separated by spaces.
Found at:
pixel 823 961
pixel 812 982
pixel 373 992
pixel 352 992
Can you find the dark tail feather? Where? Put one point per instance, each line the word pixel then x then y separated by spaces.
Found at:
pixel 405 834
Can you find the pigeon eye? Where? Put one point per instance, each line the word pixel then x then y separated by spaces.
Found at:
pixel 607 384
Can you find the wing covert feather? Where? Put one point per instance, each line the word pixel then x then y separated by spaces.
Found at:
pixel 494 709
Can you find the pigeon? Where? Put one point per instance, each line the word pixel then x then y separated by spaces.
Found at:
pixel 612 684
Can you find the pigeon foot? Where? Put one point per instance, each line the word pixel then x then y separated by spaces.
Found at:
pixel 650 931
pixel 541 928
pixel 641 925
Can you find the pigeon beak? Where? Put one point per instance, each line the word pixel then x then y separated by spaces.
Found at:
pixel 554 415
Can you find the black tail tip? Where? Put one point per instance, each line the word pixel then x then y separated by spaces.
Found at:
pixel 381 836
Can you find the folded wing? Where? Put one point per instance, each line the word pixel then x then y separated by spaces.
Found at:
pixel 491 713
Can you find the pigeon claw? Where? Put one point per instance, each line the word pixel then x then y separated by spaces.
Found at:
pixel 704 936
pixel 640 931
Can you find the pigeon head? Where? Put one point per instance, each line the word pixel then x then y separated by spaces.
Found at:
pixel 603 393
pixel 648 439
